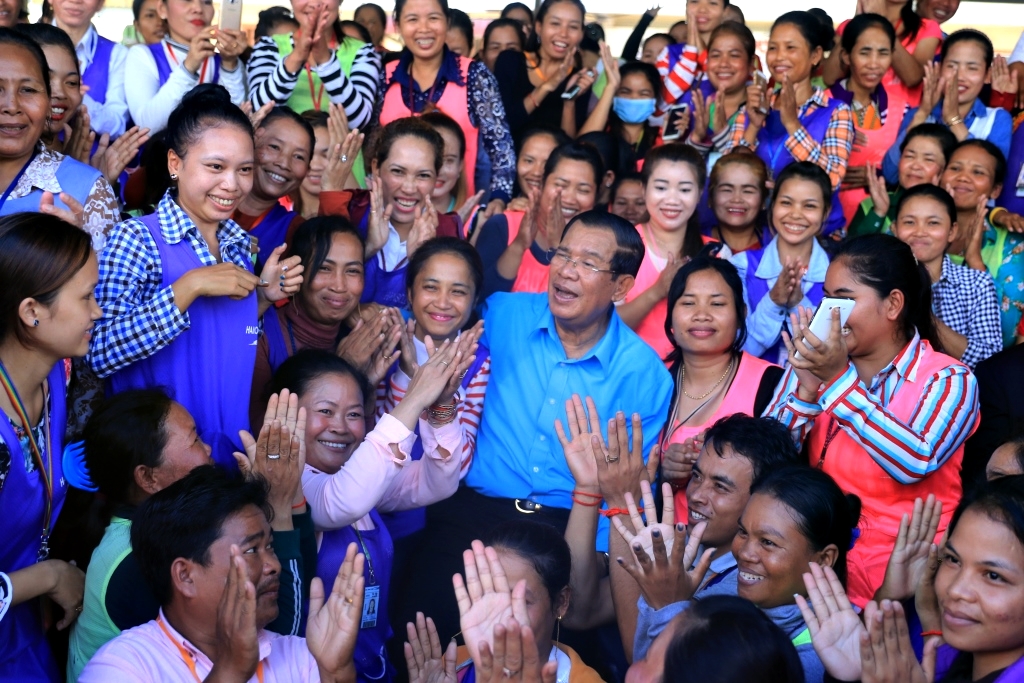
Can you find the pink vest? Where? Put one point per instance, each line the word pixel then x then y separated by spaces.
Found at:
pixel 453 102
pixel 738 399
pixel 884 500
pixel 879 142
pixel 532 277
pixel 652 327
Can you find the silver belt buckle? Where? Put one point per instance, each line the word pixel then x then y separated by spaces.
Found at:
pixel 527 507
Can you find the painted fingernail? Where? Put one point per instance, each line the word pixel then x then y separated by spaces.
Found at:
pixel 656 533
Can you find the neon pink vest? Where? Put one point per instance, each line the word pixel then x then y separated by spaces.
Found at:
pixel 879 142
pixel 453 102
pixel 533 275
pixel 652 327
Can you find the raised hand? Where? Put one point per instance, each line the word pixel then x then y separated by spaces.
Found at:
pixel 74 214
pixel 78 145
pixel 932 89
pixel 466 345
pixel 380 217
pixel 886 653
pixel 513 657
pixel 795 271
pixel 578 446
pixel 910 555
pixel 835 627
pixel 423 656
pixel 641 537
pixel 926 602
pixel 786 104
pixel 950 99
pixel 879 195
pixel 341 156
pixel 280 278
pixel 555 220
pixel 424 226
pixel 701 116
pixel 611 68
pixel 466 210
pixel 237 648
pixel 677 460
pixel 668 273
pixel 428 383
pixel 199 49
pixel 112 159
pixel 620 467
pixel 485 599
pixel 256 116
pixel 371 345
pixel 333 626
pixel 529 226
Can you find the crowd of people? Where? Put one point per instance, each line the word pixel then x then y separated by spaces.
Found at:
pixel 510 359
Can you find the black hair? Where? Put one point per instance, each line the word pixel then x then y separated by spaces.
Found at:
pixel 765 442
pixel 137 8
pixel 628 177
pixel 309 365
pixel 805 170
pixel 504 22
pixel 127 430
pixel 1001 500
pixel 557 134
pixel 811 28
pixel 576 150
pixel 411 126
pixel 381 14
pixel 999 177
pixel 451 246
pixel 648 71
pixel 932 192
pixel 607 146
pixel 269 19
pixel 737 10
pixel 11 37
pixel 441 121
pixel 312 242
pixel 629 247
pixel 936 131
pixel 45 34
pixel 533 43
pixel 659 36
pixel 739 31
pixel 297 119
pixel 823 513
pixel 203 108
pixel 364 34
pixel 861 23
pixel 460 21
pixel 884 263
pixel 315 119
pixel 514 6
pixel 727 638
pixel 166 527
pixel 680 153
pixel 400 5
pixel 828 26
pixel 1017 443
pixel 681 22
pixel 965 35
pixel 704 261
pixel 539 544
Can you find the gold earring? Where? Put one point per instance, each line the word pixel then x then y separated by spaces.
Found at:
pixel 558 630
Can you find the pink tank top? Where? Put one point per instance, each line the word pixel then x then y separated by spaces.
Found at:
pixel 532 277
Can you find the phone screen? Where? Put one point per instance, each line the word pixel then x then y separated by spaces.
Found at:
pixel 672 119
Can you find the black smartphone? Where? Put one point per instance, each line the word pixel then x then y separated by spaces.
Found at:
pixel 672 118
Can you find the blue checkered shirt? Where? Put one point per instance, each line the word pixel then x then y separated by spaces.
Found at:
pixel 965 299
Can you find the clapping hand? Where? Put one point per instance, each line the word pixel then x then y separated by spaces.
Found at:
pixel 370 346
pixel 886 653
pixel 343 150
pixel 424 226
pixel 513 657
pixel 112 159
pixel 578 445
pixel 333 626
pixel 428 383
pixel 380 216
pixel 879 195
pixel 910 555
pixel 950 100
pixel 237 647
pixel 466 345
pixel 786 105
pixel 423 656
pixel 835 628
pixel 466 210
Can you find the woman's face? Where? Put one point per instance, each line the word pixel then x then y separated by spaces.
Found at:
pixel 442 296
pixel 921 161
pixel 966 61
pixel 1003 463
pixel 24 103
pixel 707 14
pixel 542 613
pixel 334 290
pixel 789 54
pixel 423 27
pixel 704 318
pixel 186 18
pixel 635 86
pixel 65 326
pixel 317 164
pixel 149 25
pixel 980 588
pixel 870 59
pixel 282 158
pixel 938 10
pixel 671 195
pixel 872 319
pixel 729 65
pixel 75 13
pixel 335 421
pixel 65 86
pixel 652 48
pixel 183 450
pixel 798 211
pixel 561 30
pixel 532 157
pixel 307 7
pixel 520 15
pixel 924 224
pixel 369 19
pixel 971 173
pixel 456 41
pixel 215 173
pixel 737 198
pixel 408 176
pixel 451 166
pixel 771 553
pixel 501 39
pixel 576 181
pixel 629 202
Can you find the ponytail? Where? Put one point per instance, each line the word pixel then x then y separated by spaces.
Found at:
pixel 911 21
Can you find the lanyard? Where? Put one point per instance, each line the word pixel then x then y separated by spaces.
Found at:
pixel 830 433
pixel 202 72
pixel 318 95
pixel 366 553
pixel 45 468
pixel 14 183
pixel 190 662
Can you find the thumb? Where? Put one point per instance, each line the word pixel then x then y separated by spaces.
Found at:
pixel 316 596
pixel 247 440
pixel 653 462
pixel 449 660
pixel 243 463
pixel 928 659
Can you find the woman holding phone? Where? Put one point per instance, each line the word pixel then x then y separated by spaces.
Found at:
pixel 879 409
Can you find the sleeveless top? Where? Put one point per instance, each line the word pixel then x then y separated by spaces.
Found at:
pixel 271 230
pixel 454 102
pixel 532 276
pixel 74 177
pixel 97 76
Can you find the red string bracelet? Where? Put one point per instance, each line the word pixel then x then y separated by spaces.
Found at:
pixel 588 495
pixel 300 505
pixel 585 504
pixel 611 512
pixel 925 634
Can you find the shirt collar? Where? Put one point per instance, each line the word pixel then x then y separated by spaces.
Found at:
pixel 603 351
pixel 721 564
pixel 41 174
pixel 905 363
pixel 879 97
pixel 180 641
pixel 770 265
pixel 449 71
pixel 977 109
pixel 175 224
pixel 947 265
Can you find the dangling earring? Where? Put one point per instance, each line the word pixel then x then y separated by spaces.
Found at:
pixel 35 323
pixel 558 630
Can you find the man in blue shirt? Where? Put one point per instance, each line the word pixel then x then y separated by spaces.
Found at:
pixel 544 349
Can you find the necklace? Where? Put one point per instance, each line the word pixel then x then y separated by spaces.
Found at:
pixel 682 378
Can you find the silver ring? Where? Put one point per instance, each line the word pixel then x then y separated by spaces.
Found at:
pixel 273 456
pixel 445 363
pixel 344 158
pixel 507 672
pixel 263 283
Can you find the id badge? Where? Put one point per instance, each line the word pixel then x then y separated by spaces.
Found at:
pixel 371 600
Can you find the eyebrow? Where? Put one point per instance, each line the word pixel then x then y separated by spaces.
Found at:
pixel 253 537
pixel 722 479
pixel 438 280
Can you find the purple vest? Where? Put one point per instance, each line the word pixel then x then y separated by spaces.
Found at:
pixel 1012 196
pixel 386 288
pixel 24 652
pixel 771 147
pixel 758 289
pixel 370 656
pixel 163 67
pixel 208 367
pixel 98 74
pixel 271 232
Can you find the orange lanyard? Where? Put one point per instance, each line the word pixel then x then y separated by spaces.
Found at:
pixel 318 95
pixel 187 657
pixel 202 72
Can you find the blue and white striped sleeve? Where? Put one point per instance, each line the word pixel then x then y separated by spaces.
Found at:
pixel 786 406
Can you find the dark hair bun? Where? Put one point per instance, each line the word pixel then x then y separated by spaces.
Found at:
pixel 827 34
pixel 853 503
pixel 207 93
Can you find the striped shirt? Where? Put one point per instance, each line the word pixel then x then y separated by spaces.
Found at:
pixel 678 66
pixel 269 80
pixel 907 451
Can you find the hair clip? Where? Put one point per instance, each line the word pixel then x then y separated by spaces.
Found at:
pixel 75 470
pixel 853 537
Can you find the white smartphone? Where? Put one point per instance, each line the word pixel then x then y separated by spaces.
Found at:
pixel 231 15
pixel 821 323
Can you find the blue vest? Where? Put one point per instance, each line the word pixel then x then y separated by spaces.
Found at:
pixel 271 232
pixel 74 177
pixel 1012 196
pixel 97 76
pixel 758 289
pixel 163 67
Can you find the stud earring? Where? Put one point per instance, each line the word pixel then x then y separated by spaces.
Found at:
pixel 35 323
pixel 174 176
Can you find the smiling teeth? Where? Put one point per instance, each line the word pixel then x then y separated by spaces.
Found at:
pixel 750 577
pixel 333 444
pixel 223 202
pixel 276 178
pixel 406 203
pixel 697 516
pixel 57 111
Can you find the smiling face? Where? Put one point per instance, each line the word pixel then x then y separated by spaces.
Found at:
pixel 501 39
pixel 149 25
pixel 423 27
pixel 921 161
pixel 542 614
pixel 729 66
pixel 798 211
pixel 442 297
pixel 334 290
pixel 532 157
pixel 629 202
pixel 215 173
pixel 24 103
pixel 970 173
pixel 408 176
pixel 938 10
pixel 65 326
pixel 183 449
pixel 578 185
pixel 790 55
pixel 873 320
pixel 967 59
pixel 870 59
pixel 578 297
pixel 368 18
pixel 186 18
pixel 335 421
pixel 924 224
pixel 308 7
pixel 451 166
pixel 65 86
pixel 75 14
pixel 717 492
pixel 282 159
pixel 318 162
pixel 561 31
pixel 980 589
pixel 771 553
pixel 635 86
pixel 704 317
pixel 737 198
pixel 9 13
pixel 707 14
pixel 671 195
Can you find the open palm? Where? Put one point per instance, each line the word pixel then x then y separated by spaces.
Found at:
pixel 484 598
pixel 835 628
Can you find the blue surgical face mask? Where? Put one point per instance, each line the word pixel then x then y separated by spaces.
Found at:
pixel 633 111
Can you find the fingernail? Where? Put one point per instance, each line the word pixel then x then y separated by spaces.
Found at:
pixel 680 527
pixel 655 533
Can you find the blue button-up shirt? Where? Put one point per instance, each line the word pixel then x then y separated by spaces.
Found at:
pixel 518 454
